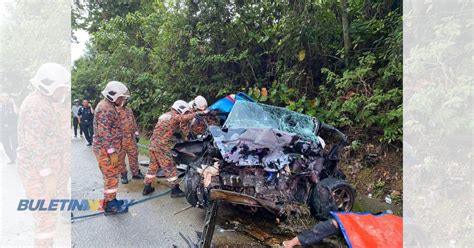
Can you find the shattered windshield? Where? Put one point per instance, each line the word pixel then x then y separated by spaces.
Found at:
pixel 247 114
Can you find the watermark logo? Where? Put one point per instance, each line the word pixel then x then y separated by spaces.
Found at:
pixel 63 204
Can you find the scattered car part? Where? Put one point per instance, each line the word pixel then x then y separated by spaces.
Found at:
pixel 209 225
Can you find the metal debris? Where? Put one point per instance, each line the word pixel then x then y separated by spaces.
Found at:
pixel 183 209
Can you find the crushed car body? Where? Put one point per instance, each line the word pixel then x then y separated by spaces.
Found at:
pixel 269 157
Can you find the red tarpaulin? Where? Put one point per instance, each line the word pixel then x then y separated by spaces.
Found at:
pixel 368 230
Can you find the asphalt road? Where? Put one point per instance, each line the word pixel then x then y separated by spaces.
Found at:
pixel 148 224
pixel 17 228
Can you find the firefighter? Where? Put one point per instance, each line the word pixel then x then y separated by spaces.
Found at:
pixel 199 124
pixel 43 154
pixel 107 143
pixel 161 143
pixel 129 144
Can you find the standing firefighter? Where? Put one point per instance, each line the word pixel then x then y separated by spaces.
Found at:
pixel 108 143
pixel 161 143
pixel 129 144
pixel 43 152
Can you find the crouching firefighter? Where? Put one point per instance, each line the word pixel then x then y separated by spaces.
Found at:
pixel 108 143
pixel 197 126
pixel 161 143
pixel 129 144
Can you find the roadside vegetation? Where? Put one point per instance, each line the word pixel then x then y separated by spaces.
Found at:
pixel 340 61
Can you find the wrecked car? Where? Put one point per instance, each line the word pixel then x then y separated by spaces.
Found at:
pixel 266 157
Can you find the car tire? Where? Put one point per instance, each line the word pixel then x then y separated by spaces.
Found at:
pixel 331 194
pixel 191 180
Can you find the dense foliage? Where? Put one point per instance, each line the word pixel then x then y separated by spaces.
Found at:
pixel 285 52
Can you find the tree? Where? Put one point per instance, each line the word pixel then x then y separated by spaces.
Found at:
pixel 345 30
pixel 293 50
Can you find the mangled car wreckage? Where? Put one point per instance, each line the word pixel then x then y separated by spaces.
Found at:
pixel 266 157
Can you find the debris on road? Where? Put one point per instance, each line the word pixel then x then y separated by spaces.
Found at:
pixel 256 233
pixel 182 210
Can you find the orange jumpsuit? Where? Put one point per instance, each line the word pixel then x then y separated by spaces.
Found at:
pixel 43 157
pixel 129 145
pixel 107 140
pixel 162 142
pixel 197 126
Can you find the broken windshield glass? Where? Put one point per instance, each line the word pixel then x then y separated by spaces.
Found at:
pixel 246 114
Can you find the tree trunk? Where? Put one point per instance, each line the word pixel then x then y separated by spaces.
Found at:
pixel 345 30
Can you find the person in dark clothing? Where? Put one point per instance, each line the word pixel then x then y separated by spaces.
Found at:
pixel 314 235
pixel 76 122
pixel 86 117
pixel 359 230
pixel 8 126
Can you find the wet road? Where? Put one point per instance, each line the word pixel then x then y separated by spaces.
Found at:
pixel 147 224
pixel 151 223
pixel 17 228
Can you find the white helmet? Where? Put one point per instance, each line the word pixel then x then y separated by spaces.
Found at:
pixel 180 106
pixel 200 103
pixel 50 77
pixel 114 90
pixel 191 104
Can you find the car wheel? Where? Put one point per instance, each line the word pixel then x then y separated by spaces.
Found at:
pixel 331 194
pixel 191 183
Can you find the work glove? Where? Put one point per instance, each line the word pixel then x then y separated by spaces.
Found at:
pixel 205 112
pixel 114 159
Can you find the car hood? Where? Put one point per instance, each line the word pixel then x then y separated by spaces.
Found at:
pixel 254 146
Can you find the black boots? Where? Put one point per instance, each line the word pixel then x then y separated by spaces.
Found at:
pixel 148 189
pixel 115 207
pixel 124 178
pixel 138 176
pixel 176 192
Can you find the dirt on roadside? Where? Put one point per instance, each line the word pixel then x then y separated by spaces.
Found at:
pixel 376 173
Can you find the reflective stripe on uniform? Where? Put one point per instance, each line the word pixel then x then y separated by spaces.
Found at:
pixel 172 179
pixel 44 235
pixel 111 191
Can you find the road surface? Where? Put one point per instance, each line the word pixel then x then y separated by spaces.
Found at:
pixel 149 224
